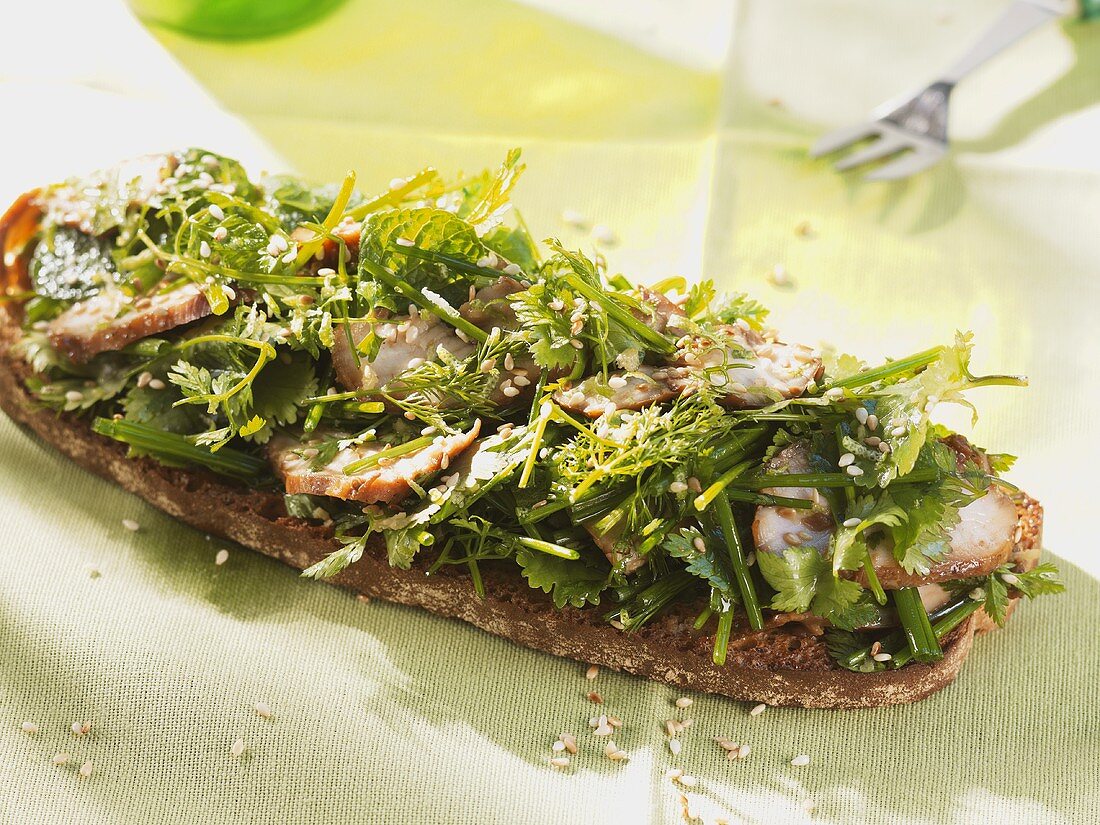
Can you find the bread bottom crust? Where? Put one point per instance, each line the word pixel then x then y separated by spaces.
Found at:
pixel 783 666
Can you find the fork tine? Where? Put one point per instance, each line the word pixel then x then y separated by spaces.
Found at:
pixel 833 141
pixel 908 164
pixel 886 146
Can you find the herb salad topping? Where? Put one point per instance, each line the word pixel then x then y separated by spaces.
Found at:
pixel 414 367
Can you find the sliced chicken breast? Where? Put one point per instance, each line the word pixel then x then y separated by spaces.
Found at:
pixel 406 342
pixel 111 319
pixel 643 387
pixel 384 483
pixel 766 371
pixel 774 529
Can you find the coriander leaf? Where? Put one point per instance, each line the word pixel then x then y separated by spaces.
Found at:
pixel 794 576
pixel 849 546
pixel 156 408
pixel 708 564
pixel 569 581
pixel 279 392
pixel 1040 581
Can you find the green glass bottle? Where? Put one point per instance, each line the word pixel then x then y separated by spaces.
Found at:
pixel 232 19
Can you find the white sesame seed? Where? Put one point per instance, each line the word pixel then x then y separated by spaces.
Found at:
pixel 204 249
pixel 779 276
pixel 574 218
pixel 699 544
pixel 684 702
pixel 144 379
pixel 872 441
pixel 396 183
pixel 872 422
pixel 978 594
pixel 616 382
pixel 800 761
pixel 835 393
pixel 1010 578
pixel 510 392
pixel 131 525
pixel 861 415
pixel 521 381
pixel 793 539
pixel 221 558
pixel 592 672
pixel 557 305
pixel 677 487
pixel 512 269
pixel 675 745
pixel 897 432
pixel 60 758
pixel 570 742
pixel 157 384
pixel 758 709
pixel 29 727
pixel 846 459
pixel 320 513
pixel 326 271
pixel 558 746
pixel 604 234
pixel 237 748
pixel 404 242
pixel 263 710
pixel 216 212
pixel 86 769
pixel 883 447
pixel 74 396
pixel 484 262
pixel 560 761
pixel 603 730
pixel 852 522
pixel 279 242
pixel 694 484
pixel 854 471
pixel 687 781
pixel 77 728
pixel 743 751
pixel 575 344
pixel 610 748
pixel 882 657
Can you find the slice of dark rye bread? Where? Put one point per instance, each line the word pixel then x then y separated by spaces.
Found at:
pixel 782 665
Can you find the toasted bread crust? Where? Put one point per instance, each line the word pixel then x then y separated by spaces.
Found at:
pixel 784 665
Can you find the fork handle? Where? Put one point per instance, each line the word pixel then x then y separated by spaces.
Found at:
pixel 1018 20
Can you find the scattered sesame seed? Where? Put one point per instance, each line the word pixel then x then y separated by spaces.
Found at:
pixel 92 571
pixel 321 514
pixel 237 748
pixel 615 623
pixel 861 415
pixel 144 379
pixel 86 769
pixel 977 594
pixel 592 672
pixel 77 728
pixel 684 702
pixel 882 657
pixel 263 710
pixel 603 730
pixel 699 544
pixel 279 242
pixel 29 727
pixel 512 269
pixel 835 393
pixel 694 484
pixel 604 234
pixel 846 459
pixel 800 761
pixel 677 487
pixel 558 746
pixel 560 762
pixel 809 805
pixel 793 539
pixel 898 431
pixel 404 242
pixel 594 697
pixel 60 758
pixel 743 751
pixel 396 183
pixel 758 709
pixel 131 525
pixel 872 441
pixel 326 271
pixel 687 781
pixel 852 522
pixel 204 249
pixel 575 344
pixel 675 745
pixel 574 218
pixel 221 558
pixel 854 471
pixel 216 212
pixel 883 447
pixel 614 721
pixel 570 742
pixel 521 381
pixel 510 392
pixel 74 396
pixel 872 422
pixel 779 276
pixel 157 384
pixel 1010 578
pixel 804 229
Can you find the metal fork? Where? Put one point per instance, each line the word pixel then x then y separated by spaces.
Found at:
pixel 915 127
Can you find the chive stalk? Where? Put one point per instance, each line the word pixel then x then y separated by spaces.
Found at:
pixel 175 447
pixel 415 296
pixel 923 644
pixel 740 568
pixel 396 451
pixel 722 636
pixel 621 316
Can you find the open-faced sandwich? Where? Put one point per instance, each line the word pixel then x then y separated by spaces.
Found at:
pixel 405 394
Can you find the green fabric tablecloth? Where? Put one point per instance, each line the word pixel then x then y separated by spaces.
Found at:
pixel 383 714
